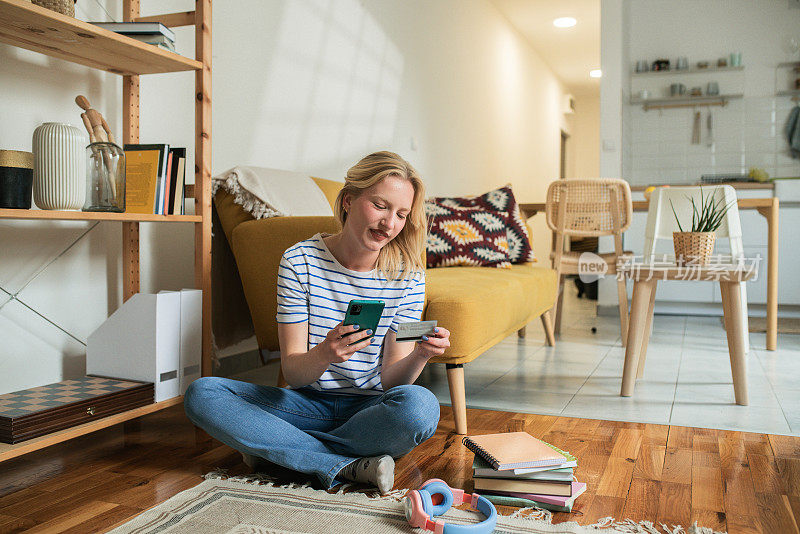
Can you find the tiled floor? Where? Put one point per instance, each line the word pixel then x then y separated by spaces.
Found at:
pixel 687 379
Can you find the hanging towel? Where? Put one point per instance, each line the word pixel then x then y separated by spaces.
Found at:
pixel 710 126
pixel 792 132
pixel 696 129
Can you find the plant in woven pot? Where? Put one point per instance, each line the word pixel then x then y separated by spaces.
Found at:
pixel 696 245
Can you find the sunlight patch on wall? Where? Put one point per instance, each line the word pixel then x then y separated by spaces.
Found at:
pixel 332 88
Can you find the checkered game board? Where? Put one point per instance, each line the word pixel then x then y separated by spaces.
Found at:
pixel 29 401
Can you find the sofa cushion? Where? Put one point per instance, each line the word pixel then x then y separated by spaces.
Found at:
pixel 330 188
pixel 466 236
pixel 502 199
pixel 480 306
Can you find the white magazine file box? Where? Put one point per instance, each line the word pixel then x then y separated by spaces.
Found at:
pixel 191 336
pixel 142 340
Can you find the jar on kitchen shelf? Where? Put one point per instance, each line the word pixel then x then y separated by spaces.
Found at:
pixel 105 178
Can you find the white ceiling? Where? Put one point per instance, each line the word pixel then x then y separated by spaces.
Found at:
pixel 570 52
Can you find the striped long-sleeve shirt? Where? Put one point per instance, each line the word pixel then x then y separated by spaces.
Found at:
pixel 315 288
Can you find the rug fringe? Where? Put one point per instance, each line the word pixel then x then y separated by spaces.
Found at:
pixel 533 513
pixel 647 527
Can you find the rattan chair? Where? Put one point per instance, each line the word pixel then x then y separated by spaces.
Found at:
pixel 589 208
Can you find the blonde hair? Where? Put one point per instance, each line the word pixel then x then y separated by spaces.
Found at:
pixel 402 255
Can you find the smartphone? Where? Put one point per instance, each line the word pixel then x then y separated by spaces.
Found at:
pixel 365 313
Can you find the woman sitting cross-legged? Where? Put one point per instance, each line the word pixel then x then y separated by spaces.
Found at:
pixel 351 406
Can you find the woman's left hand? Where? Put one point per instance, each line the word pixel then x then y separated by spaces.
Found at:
pixel 435 344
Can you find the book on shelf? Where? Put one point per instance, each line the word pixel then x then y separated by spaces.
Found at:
pixel 163 191
pixel 179 208
pixel 480 468
pixel 176 181
pixel 155 179
pixel 154 39
pixel 127 28
pixel 550 502
pixel 145 169
pixel 543 487
pixel 513 450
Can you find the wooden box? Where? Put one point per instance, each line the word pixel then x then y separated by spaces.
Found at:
pixel 34 412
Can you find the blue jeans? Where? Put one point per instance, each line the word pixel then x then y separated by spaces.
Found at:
pixel 311 431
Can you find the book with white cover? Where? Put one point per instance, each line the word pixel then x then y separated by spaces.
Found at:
pixel 523 471
pixel 480 468
pixel 136 27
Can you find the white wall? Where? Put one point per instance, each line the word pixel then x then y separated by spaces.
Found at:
pixel 306 85
pixel 584 142
pixel 614 22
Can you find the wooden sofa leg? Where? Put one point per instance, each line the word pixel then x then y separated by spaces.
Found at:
pixel 521 332
pixel 559 304
pixel 547 323
pixel 458 398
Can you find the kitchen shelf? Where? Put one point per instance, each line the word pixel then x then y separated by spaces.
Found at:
pixel 693 70
pixel 42 30
pixel 789 64
pixel 685 101
pixel 94 216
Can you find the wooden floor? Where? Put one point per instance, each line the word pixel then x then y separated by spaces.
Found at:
pixel 732 481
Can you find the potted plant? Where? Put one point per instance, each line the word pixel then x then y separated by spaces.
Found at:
pixel 696 245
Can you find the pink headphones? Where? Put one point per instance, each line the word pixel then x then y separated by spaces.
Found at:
pixel 435 497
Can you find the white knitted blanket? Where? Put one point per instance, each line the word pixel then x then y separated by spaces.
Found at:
pixel 272 193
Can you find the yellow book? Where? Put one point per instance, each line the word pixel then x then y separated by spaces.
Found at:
pixel 144 171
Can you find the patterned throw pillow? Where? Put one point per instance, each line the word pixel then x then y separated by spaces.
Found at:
pixel 466 236
pixel 500 200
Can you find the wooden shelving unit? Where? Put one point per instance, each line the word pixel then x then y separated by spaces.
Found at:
pixel 35 28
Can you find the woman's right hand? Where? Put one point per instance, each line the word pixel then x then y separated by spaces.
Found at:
pixel 335 348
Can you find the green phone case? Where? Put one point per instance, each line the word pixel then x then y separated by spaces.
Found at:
pixel 365 313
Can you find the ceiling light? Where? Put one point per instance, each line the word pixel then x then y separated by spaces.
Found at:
pixel 565 22
pixel 595 73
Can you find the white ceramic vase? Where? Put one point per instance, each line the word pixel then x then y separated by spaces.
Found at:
pixel 59 167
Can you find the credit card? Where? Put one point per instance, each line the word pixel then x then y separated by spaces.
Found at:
pixel 415 331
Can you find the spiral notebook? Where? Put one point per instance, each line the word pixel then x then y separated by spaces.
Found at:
pixel 513 450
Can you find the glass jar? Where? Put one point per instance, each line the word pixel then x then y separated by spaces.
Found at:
pixel 105 178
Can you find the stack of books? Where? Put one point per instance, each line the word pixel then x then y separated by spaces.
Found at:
pixel 517 469
pixel 153 33
pixel 155 176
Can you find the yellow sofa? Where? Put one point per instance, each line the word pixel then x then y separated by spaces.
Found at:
pixel 479 305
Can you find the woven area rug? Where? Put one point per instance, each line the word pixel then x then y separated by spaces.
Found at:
pixel 253 504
